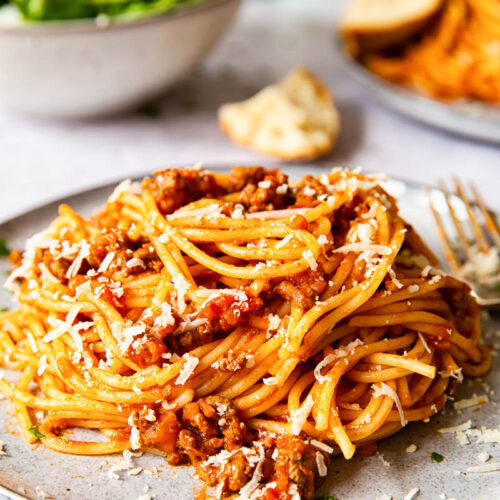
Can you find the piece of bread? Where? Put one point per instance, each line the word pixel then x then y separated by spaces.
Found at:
pixel 294 119
pixel 376 24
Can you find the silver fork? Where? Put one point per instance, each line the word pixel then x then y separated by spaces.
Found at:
pixel 475 260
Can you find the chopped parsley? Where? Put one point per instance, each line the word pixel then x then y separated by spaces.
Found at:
pixel 436 457
pixel 34 430
pixel 64 438
pixel 4 248
pixel 3 309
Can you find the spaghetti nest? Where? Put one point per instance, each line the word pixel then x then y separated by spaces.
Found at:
pixel 457 57
pixel 245 324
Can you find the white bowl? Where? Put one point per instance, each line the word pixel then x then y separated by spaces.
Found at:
pixel 75 69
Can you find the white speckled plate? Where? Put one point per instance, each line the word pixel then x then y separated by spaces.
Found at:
pixel 73 477
pixel 468 118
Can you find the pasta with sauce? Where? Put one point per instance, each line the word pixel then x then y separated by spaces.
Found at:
pixel 456 57
pixel 248 325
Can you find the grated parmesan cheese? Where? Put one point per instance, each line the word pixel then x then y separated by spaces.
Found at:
pixel 182 287
pixel 253 484
pixel 238 212
pixel 212 210
pixel 150 415
pixel 320 464
pixel 284 241
pixel 61 327
pixel 322 364
pixel 270 381
pixel 384 390
pixel 165 317
pixel 134 262
pixel 46 274
pixel 321 446
pixel 322 239
pixel 363 247
pixel 394 279
pixel 135 438
pixel 456 374
pixel 493 467
pixel 77 263
pixel 42 365
pixel 299 417
pixel 424 342
pixel 308 255
pixel 277 214
pixel 187 369
pixel 467 403
pixel 126 336
pixel 456 428
pixel 106 262
pixel 32 342
pixel 274 322
pixel 412 494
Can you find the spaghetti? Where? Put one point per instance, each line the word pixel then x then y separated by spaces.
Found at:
pixel 457 57
pixel 243 323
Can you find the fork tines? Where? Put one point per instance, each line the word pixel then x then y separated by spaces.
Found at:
pixel 472 253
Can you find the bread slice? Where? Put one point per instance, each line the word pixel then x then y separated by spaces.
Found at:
pixel 295 119
pixel 376 24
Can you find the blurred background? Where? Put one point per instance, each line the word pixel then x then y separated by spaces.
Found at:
pixel 44 158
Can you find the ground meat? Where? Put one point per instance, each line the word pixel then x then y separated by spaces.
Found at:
pixel 239 177
pixel 148 350
pixel 105 288
pixel 225 312
pixel 234 475
pixel 288 461
pixel 259 190
pixel 173 188
pixel 185 342
pixel 208 426
pixel 57 266
pixel 302 289
pixel 294 468
pixel 16 258
pixel 308 191
pixel 125 249
pixel 162 433
pixel 231 361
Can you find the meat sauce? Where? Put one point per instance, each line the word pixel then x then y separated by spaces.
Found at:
pixel 210 426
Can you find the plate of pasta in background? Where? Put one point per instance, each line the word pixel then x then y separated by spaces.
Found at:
pixel 282 334
pixel 436 61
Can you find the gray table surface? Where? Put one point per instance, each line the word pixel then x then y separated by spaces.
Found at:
pixel 42 160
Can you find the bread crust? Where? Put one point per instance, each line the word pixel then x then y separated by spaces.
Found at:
pixel 301 76
pixel 363 35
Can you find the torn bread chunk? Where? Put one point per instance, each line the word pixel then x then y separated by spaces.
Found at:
pixel 376 24
pixel 295 119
